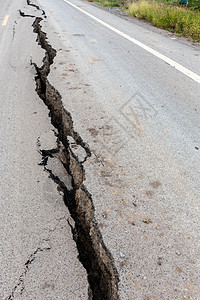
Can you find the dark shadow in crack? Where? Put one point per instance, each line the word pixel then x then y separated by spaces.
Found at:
pixel 37 7
pixel 93 254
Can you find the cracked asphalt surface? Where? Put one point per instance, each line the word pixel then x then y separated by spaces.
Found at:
pixel 38 256
pixel 140 119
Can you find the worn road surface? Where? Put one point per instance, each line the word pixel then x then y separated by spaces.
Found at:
pixel 37 250
pixel 124 126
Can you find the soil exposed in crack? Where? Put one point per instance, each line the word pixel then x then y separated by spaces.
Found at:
pixel 93 254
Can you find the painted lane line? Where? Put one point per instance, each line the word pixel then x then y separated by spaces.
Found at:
pixel 166 59
pixel 5 20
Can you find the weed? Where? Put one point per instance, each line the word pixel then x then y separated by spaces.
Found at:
pixel 177 19
pixel 108 3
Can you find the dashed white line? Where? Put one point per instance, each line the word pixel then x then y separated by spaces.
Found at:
pixel 166 59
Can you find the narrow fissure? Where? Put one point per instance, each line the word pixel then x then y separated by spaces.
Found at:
pixel 20 286
pixel 37 7
pixel 93 254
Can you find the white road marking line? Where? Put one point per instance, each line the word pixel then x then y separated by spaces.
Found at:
pixel 5 20
pixel 166 59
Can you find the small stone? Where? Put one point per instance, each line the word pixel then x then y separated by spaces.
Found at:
pixel 147 221
pixel 122 255
pixel 105 215
pixel 160 261
pixel 178 252
pixel 133 223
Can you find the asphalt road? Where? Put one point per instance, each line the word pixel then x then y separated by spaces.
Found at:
pixel 133 93
pixel 36 245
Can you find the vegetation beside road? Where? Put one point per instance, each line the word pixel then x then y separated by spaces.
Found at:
pixel 166 14
pixel 177 19
pixel 108 3
pixel 192 4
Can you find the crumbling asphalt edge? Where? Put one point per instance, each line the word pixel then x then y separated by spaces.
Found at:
pixel 93 254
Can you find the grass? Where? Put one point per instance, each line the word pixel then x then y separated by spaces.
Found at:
pixel 192 4
pixel 180 20
pixel 108 3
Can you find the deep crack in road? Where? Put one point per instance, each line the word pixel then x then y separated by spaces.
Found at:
pixel 93 254
pixel 99 155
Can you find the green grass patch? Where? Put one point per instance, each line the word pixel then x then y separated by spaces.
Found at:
pixel 192 4
pixel 176 19
pixel 108 3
